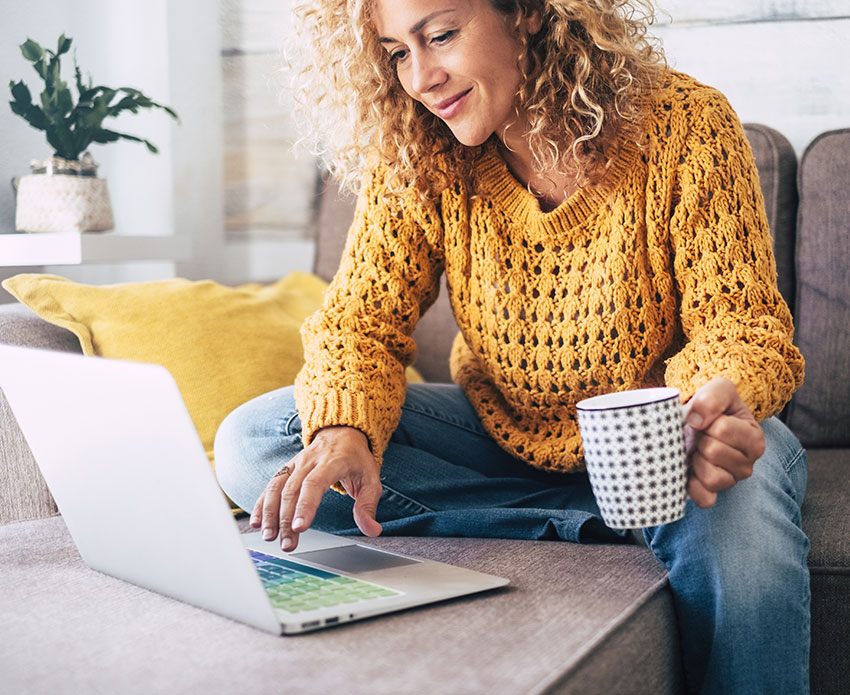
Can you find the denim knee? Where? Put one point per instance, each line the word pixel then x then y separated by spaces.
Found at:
pixel 254 441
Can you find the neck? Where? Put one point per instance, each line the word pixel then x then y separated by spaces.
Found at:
pixel 551 188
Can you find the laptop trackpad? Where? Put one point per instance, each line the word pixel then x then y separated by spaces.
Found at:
pixel 354 558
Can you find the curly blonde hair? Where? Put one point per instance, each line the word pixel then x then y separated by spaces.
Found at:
pixel 585 82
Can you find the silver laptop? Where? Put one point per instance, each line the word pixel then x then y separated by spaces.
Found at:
pixel 121 456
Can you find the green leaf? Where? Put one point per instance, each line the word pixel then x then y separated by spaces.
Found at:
pixel 20 108
pixel 62 141
pixel 69 125
pixel 55 73
pixel 36 118
pixel 64 100
pixel 104 136
pixel 63 46
pixel 147 103
pixel 41 68
pixel 20 92
pixel 31 50
pixel 126 104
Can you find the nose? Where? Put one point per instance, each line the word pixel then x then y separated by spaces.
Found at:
pixel 426 73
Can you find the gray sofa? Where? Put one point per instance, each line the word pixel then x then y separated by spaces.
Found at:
pixel 576 619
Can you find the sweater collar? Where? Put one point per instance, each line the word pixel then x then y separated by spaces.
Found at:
pixel 496 181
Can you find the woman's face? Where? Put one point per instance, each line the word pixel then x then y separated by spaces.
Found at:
pixel 458 58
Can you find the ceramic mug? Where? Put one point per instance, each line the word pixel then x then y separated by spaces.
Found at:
pixel 634 448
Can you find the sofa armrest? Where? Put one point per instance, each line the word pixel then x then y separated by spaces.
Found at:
pixel 23 492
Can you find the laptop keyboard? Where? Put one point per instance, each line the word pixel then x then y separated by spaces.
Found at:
pixel 296 588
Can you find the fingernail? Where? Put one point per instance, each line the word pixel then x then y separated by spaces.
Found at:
pixel 268 534
pixel 694 419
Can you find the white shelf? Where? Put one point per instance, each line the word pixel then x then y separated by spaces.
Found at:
pixel 92 247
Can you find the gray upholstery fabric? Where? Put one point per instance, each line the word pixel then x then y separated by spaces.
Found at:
pixel 23 492
pixel 66 629
pixel 820 411
pixel 777 167
pixel 334 217
pixel 826 511
pixel 646 643
pixel 827 523
pixel 21 326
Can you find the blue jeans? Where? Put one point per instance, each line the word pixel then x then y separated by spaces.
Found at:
pixel 737 570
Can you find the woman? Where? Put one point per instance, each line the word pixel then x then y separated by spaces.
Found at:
pixel 601 228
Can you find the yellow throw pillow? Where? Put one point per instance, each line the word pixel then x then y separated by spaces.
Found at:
pixel 223 345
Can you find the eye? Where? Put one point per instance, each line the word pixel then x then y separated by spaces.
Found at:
pixel 444 37
pixel 399 55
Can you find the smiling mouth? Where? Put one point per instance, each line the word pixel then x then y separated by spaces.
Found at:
pixel 449 107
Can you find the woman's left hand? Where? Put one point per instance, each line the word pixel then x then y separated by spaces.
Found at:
pixel 724 440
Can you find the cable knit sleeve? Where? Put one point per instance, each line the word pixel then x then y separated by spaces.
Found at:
pixel 734 320
pixel 357 345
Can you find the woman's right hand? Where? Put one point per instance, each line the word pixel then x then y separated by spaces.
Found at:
pixel 337 454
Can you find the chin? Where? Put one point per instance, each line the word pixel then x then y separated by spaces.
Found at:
pixel 470 139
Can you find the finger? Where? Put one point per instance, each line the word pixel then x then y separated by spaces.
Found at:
pixel 271 509
pixel 739 434
pixel 710 401
pixel 271 502
pixel 288 501
pixel 702 498
pixel 257 511
pixel 720 454
pixel 712 478
pixel 312 491
pixel 366 509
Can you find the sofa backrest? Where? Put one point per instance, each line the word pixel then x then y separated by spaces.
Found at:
pixel 819 413
pixel 777 167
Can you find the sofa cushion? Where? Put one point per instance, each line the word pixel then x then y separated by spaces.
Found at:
pixel 20 325
pixel 826 520
pixel 587 610
pixel 23 492
pixel 819 413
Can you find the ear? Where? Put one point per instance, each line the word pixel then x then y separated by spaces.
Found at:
pixel 534 22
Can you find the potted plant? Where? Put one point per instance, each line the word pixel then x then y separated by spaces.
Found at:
pixel 63 192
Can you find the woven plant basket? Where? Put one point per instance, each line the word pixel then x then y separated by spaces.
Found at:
pixel 63 196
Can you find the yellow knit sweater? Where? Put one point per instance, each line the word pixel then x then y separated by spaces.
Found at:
pixel 661 274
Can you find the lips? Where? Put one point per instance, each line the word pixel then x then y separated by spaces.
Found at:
pixel 449 107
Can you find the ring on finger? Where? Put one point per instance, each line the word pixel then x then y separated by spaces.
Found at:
pixel 286 470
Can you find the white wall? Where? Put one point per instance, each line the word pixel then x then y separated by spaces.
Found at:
pixel 783 63
pixel 169 50
pixel 119 44
pixel 41 20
